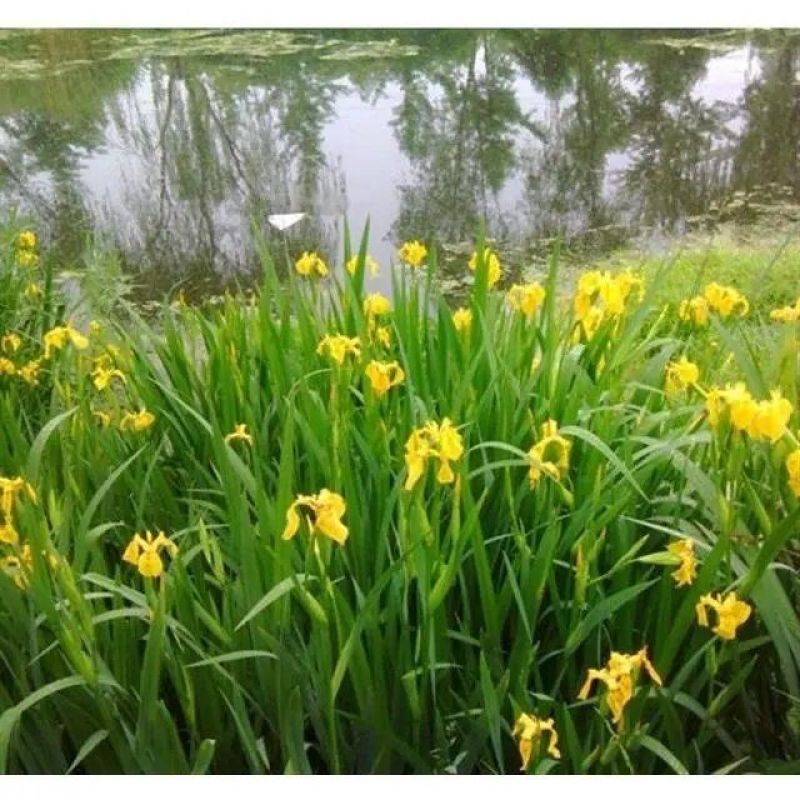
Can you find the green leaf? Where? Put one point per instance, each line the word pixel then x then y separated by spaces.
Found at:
pixel 275 593
pixel 601 612
pixel 205 754
pixel 664 753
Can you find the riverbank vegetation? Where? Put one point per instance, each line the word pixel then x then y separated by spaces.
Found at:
pixel 317 529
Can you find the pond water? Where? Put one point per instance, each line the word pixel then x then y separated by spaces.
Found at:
pixel 174 146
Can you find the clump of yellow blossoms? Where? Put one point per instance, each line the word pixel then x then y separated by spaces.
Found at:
pixel 413 253
pixel 619 676
pixel 462 319
pixel 26 249
pixel 10 490
pixel 324 515
pixel 137 421
pixel 530 730
pixel 681 374
pixel 731 613
pixel 723 300
pixel 338 347
pixel 370 264
pixel 601 296
pixel 787 313
pixel 526 298
pixel 550 455
pixel 61 336
pixel 144 553
pixel 695 310
pixel 765 419
pixel 239 434
pixel 686 572
pixel 7 366
pixel 311 264
pixel 432 440
pixel 494 270
pixel 384 375
pixel 793 468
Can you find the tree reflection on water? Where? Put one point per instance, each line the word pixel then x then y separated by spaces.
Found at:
pixel 174 157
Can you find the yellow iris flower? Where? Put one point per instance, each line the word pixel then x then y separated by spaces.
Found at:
pixel 61 336
pixel 311 264
pixel 526 298
pixel 681 374
pixel 26 241
pixel 382 334
pixel 494 271
pixel 376 305
pixel 239 434
pixel 103 416
pixel 432 440
pixel 370 264
pixel 741 405
pixel 793 468
pixel 619 676
pixel 725 300
pixel 686 572
pixel 338 347
pixel 413 253
pixel 787 313
pixel 18 567
pixel 137 421
pixel 103 373
pixel 765 419
pixel 695 310
pixel 770 418
pixel 462 319
pixel 7 366
pixel 601 296
pixel 11 342
pixel 10 490
pixel 27 258
pixel 324 512
pixel 384 375
pixel 550 455
pixel 530 730
pixel 33 291
pixel 144 553
pixel 715 405
pixel 30 372
pixel 731 613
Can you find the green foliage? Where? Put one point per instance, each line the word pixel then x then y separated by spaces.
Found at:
pixel 452 608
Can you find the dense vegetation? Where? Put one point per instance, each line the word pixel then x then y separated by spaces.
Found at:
pixel 313 530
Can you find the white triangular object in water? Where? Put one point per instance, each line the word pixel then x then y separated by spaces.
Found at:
pixel 284 221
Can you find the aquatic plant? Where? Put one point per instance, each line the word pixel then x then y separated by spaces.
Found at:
pixel 397 553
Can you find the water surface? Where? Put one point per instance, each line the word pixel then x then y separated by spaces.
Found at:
pixel 174 145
